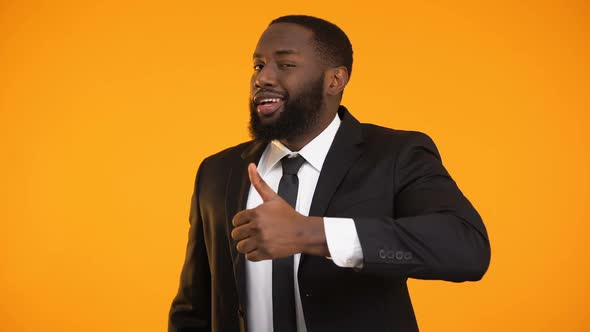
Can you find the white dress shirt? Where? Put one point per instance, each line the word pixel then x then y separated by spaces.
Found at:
pixel 341 236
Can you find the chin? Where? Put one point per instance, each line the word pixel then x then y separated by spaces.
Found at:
pixel 270 118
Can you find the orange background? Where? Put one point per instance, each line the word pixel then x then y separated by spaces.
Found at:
pixel 107 108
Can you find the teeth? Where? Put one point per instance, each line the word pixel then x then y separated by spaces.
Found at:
pixel 270 100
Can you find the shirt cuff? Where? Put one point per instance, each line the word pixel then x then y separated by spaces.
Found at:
pixel 343 242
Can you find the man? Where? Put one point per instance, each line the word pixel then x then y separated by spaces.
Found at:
pixel 317 223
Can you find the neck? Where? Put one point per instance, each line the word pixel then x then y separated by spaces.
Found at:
pixel 296 143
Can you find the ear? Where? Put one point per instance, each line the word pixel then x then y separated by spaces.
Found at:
pixel 336 80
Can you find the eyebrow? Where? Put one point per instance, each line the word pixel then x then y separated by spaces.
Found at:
pixel 277 52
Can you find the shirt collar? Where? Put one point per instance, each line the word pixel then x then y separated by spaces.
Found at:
pixel 314 152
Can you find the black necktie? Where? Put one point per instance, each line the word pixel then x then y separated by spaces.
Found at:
pixel 283 284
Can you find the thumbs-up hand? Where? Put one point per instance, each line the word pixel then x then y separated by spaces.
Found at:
pixel 273 229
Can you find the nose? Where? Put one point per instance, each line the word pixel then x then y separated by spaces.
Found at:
pixel 266 77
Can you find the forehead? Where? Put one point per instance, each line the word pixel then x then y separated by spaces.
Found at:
pixel 285 36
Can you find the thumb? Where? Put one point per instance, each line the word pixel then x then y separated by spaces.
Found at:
pixel 265 192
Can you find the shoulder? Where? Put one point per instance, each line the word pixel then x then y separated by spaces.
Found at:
pixel 220 163
pixel 410 153
pixel 395 140
pixel 228 155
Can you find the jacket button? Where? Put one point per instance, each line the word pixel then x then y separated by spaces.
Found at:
pixel 390 254
pixel 408 255
pixel 399 255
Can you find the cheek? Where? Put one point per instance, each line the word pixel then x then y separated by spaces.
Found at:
pixel 252 82
pixel 294 84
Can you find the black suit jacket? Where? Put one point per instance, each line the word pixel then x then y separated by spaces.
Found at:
pixel 411 218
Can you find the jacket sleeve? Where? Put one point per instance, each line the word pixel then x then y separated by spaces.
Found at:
pixel 434 233
pixel 191 308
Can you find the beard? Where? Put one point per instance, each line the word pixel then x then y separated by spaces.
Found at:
pixel 299 114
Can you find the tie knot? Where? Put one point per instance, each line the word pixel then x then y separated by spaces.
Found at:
pixel 291 165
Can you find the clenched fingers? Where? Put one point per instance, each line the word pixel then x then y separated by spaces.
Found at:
pixel 246 246
pixel 241 232
pixel 243 217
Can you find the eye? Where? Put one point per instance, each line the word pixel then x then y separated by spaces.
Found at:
pixel 258 67
pixel 286 65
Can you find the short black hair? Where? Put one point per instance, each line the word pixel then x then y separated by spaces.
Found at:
pixel 332 44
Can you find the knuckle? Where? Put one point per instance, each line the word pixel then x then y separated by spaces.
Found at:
pixel 252 257
pixel 255 224
pixel 270 252
pixel 236 219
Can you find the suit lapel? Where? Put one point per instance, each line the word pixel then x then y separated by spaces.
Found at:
pixel 238 185
pixel 342 154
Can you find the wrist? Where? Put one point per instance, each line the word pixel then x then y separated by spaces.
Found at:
pixel 314 237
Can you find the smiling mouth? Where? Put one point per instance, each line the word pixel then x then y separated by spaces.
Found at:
pixel 268 106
